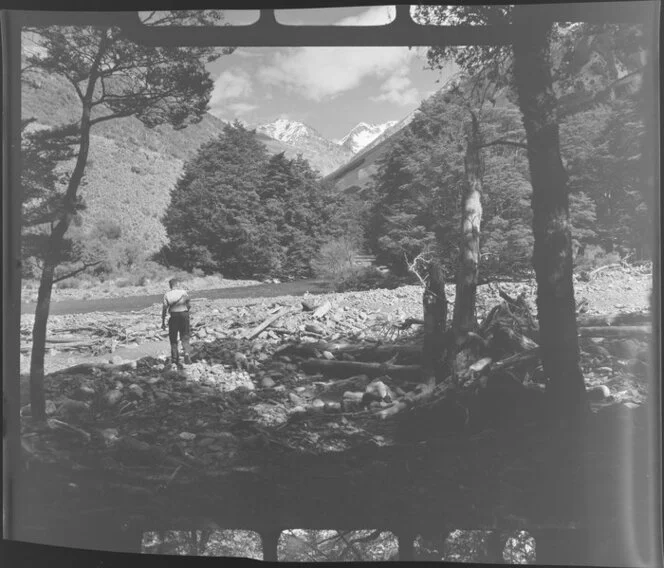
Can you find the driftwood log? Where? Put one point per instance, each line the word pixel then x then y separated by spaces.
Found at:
pixel 268 322
pixel 349 368
pixel 617 332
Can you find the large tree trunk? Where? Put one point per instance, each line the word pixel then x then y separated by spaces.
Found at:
pixel 464 319
pixel 51 261
pixel 552 257
pixel 435 320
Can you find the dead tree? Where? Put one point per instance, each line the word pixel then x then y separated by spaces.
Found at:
pixel 434 305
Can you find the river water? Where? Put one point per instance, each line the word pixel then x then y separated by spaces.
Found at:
pixel 134 303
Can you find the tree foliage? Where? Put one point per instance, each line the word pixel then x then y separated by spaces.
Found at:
pixel 238 211
pixel 419 183
pixel 113 78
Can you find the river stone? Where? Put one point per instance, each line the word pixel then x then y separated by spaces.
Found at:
pixel 598 393
pixel 72 408
pixel 637 367
pixel 267 383
pixel 315 328
pixel 332 406
pixel 318 404
pixel 112 397
pixel 625 349
pixel 295 399
pixel 136 391
pixel 84 392
pixel 116 360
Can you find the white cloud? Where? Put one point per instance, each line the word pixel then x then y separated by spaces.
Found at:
pixel 323 72
pixel 231 84
pixel 242 108
pixel 398 89
pixel 374 16
pixel 318 73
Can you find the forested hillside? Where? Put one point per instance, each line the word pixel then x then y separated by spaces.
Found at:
pixel 413 180
pixel 132 169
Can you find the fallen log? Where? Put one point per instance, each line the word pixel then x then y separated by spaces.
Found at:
pixel 617 332
pixel 517 359
pixel 633 318
pixel 349 368
pixel 361 350
pixel 68 339
pixel 268 322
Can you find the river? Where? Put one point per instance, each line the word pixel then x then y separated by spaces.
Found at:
pixel 133 303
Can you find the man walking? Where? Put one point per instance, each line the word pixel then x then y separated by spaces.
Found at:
pixel 176 303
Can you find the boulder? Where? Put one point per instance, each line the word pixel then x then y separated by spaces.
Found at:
pixel 625 348
pixel 598 393
pixel 84 392
pixel 136 392
pixel 72 408
pixel 267 383
pixel 112 397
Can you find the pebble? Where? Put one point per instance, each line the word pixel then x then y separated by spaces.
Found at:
pixel 116 360
pixel 187 436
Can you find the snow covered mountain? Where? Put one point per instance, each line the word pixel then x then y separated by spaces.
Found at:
pixel 363 134
pixel 289 131
pixel 293 137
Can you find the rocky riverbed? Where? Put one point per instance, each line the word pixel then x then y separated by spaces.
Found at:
pixel 251 391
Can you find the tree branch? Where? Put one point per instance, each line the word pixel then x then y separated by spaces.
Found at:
pixel 85 266
pixel 567 111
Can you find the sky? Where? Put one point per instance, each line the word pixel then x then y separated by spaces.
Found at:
pixel 329 88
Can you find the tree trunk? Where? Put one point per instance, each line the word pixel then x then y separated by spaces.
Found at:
pixel 435 319
pixel 552 256
pixel 51 261
pixel 467 272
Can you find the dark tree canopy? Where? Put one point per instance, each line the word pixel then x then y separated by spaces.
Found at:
pixel 244 213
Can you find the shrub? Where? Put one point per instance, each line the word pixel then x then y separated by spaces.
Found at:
pixel 335 258
pixel 594 256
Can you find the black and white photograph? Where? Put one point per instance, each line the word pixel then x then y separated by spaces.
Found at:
pixel 345 284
